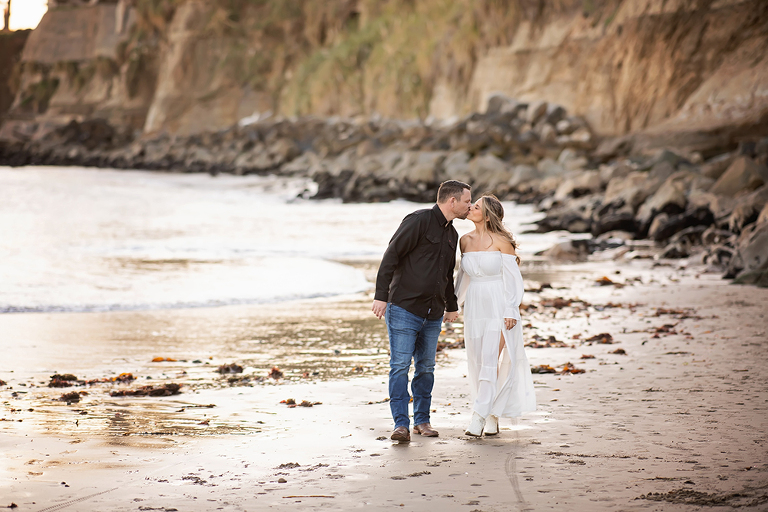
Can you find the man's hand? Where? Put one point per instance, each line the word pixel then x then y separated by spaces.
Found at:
pixel 450 316
pixel 379 308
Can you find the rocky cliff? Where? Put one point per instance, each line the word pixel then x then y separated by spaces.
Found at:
pixel 694 68
pixel 11 45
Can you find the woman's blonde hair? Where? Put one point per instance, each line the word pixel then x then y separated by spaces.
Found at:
pixel 493 215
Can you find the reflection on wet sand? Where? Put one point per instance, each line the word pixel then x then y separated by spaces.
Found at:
pixel 234 347
pixel 307 340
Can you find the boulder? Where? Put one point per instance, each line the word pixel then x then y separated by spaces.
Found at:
pixel 570 160
pixel 549 184
pixel 718 257
pixel 384 165
pixel 578 184
pixel 547 134
pixel 720 206
pixel 614 147
pixel 567 127
pixel 667 156
pixel 622 221
pixel 536 110
pixel 715 236
pixel 763 217
pixel 570 250
pixel 656 224
pixel 283 150
pixel 330 185
pixel 91 133
pixel 744 174
pixel 689 237
pixel 632 189
pixel 748 209
pixel 581 138
pixel 301 165
pixel 751 259
pixel 554 114
pixel 548 167
pixel 661 171
pixel 488 170
pixel 673 251
pixel 676 223
pixel 669 199
pixel 684 243
pixel 716 166
pixel 498 103
pixel 346 161
pixel 614 170
pixel 456 166
pixel 521 174
pixel 419 166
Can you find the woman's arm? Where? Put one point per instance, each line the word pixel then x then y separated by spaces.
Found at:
pixel 513 289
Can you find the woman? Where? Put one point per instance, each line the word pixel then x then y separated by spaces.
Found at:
pixel 490 287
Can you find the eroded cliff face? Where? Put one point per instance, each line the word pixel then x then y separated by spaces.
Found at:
pixel 647 64
pixel 73 67
pixel 659 66
pixel 11 46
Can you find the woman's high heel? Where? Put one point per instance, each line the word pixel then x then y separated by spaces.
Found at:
pixel 476 426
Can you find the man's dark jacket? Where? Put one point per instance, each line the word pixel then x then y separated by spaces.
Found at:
pixel 416 272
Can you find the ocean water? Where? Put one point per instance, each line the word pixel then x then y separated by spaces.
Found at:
pixel 76 239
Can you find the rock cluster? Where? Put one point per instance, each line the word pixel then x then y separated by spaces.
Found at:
pixel 714 210
pixel 686 205
pixel 355 160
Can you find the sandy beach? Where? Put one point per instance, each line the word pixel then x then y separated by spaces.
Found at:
pixel 669 416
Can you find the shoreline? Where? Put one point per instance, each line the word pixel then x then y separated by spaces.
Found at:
pixel 681 414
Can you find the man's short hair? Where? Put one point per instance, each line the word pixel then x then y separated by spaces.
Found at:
pixel 451 188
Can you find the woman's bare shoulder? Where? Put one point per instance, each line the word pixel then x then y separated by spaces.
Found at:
pixel 503 245
pixel 464 240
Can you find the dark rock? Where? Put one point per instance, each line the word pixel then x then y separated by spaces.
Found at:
pixel 570 250
pixel 624 221
pixel 330 186
pixel 579 184
pixel 755 277
pixel 675 223
pixel 719 256
pixel 747 148
pixel 747 209
pixel 498 103
pixel 744 174
pixel 554 114
pixel 673 251
pixel 665 156
pixel 715 167
pixel 614 147
pixel 536 111
pixel 751 251
pixel 712 236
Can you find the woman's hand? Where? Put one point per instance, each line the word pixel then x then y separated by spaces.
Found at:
pixel 509 323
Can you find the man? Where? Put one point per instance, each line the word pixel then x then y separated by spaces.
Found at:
pixel 414 287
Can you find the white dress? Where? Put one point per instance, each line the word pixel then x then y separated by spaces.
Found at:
pixel 490 287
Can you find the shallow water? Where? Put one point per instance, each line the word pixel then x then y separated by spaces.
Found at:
pixel 104 270
pixel 77 239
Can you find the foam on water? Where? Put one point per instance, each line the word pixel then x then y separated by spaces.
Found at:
pixel 74 239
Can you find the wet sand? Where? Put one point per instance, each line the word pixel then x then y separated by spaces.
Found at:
pixel 677 422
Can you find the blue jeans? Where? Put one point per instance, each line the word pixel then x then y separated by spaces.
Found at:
pixel 411 337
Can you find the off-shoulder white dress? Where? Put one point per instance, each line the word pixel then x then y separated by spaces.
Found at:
pixel 490 288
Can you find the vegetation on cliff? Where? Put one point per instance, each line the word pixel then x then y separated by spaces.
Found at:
pixel 385 56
